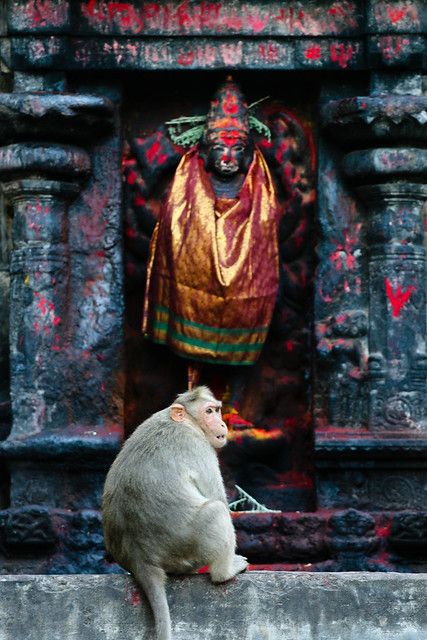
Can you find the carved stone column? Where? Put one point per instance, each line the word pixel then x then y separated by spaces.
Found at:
pixel 384 161
pixel 39 180
pixel 56 458
pixel 390 178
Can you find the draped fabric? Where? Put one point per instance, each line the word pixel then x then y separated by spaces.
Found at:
pixel 213 268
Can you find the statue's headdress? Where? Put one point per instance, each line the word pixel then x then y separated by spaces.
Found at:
pixel 229 115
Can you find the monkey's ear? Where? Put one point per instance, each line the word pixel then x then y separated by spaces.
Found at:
pixel 177 412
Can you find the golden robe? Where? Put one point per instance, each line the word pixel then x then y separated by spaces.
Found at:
pixel 213 270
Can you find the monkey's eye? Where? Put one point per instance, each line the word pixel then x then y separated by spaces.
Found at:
pixel 209 410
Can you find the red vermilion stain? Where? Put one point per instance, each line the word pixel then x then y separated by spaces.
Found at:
pixel 257 22
pixel 383 532
pixel 269 53
pixel 186 58
pixel 154 155
pixel 396 15
pixel 139 201
pixel 131 177
pixel 398 298
pixel 392 46
pixel 42 304
pixel 341 53
pixel 314 52
pixel 336 11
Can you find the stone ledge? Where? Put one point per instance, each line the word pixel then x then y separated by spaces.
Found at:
pixel 256 606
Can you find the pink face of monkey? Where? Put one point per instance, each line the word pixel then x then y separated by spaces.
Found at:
pixel 210 420
pixel 207 417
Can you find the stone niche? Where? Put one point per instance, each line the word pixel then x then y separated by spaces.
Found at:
pixel 328 429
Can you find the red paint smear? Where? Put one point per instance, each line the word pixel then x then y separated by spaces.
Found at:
pixel 341 53
pixel 314 52
pixel 153 154
pixel 398 298
pixel 131 178
pixel 257 23
pixel 131 233
pixel 186 58
pixel 396 15
pixel 42 304
pixel 383 532
pixel 269 53
pixel 289 345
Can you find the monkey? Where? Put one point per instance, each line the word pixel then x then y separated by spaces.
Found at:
pixel 165 509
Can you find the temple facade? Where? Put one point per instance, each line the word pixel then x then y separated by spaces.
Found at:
pixel 328 428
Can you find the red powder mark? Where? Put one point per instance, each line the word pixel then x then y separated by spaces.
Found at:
pixel 314 52
pixel 126 15
pixel 36 326
pixel 47 330
pixel 383 532
pixel 55 348
pixel 399 298
pixel 257 23
pixel 139 201
pixel 392 46
pixel 229 104
pixel 90 8
pixel 336 11
pixel 186 58
pixel 154 155
pixel 131 233
pixel 341 53
pixel 131 177
pixel 42 304
pixel 133 597
pixel 396 15
pixel 204 569
pixel 56 321
pixel 289 345
pixel 43 12
pixel 269 53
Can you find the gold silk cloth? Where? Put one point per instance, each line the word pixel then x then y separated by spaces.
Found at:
pixel 213 270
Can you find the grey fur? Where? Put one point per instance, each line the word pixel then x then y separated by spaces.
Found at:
pixel 165 508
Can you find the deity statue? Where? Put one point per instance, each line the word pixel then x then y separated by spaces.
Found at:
pixel 212 278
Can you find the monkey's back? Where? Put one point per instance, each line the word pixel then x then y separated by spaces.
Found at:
pixel 162 476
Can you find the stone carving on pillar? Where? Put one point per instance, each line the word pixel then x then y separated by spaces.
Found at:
pixel 382 466
pixel 388 173
pixel 39 179
pixel 43 169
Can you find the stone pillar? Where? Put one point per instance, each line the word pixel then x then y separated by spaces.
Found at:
pixel 384 160
pixel 39 180
pixel 390 177
pixel 60 446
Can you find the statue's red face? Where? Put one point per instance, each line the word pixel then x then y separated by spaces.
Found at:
pixel 226 152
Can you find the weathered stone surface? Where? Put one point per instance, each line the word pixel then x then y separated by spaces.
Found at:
pixel 256 606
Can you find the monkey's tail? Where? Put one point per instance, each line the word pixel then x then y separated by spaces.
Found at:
pixel 152 580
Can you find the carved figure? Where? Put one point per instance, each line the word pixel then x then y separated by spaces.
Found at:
pixel 213 269
pixel 165 508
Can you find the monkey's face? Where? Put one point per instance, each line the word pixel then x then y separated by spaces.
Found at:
pixel 210 419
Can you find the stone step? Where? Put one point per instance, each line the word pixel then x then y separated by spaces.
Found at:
pixel 256 606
